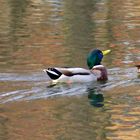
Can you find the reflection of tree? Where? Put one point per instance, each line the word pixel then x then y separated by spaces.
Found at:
pixel 123 31
pixel 35 38
pixel 3 128
pixel 13 29
pixel 78 27
pixel 18 9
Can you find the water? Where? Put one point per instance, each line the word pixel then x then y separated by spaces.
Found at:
pixel 43 33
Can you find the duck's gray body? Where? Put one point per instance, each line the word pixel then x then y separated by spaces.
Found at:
pixel 71 75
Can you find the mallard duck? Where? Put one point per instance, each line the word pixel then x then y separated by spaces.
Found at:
pixel 138 67
pixel 95 72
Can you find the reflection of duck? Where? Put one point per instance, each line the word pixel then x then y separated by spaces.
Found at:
pixel 68 75
pixel 138 67
pixel 96 99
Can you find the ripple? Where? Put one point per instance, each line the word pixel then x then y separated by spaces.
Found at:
pixel 22 77
pixel 33 86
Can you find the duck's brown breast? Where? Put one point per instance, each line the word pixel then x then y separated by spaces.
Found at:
pixel 101 72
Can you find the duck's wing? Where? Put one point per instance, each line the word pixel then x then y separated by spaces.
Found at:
pixel 75 71
pixel 55 73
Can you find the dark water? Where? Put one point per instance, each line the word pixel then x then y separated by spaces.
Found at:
pixel 35 34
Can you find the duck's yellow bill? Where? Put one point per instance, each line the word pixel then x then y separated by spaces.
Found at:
pixel 106 52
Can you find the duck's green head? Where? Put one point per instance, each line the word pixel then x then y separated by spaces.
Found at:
pixel 95 57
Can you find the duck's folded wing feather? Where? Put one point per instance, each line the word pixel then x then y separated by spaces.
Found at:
pixel 73 71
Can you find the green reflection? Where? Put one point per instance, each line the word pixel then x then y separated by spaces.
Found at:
pixel 95 98
pixel 17 25
pixel 78 27
pixel 13 31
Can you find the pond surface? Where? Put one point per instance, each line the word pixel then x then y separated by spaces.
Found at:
pixel 35 34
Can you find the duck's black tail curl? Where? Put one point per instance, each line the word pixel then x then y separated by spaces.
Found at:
pixel 53 73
